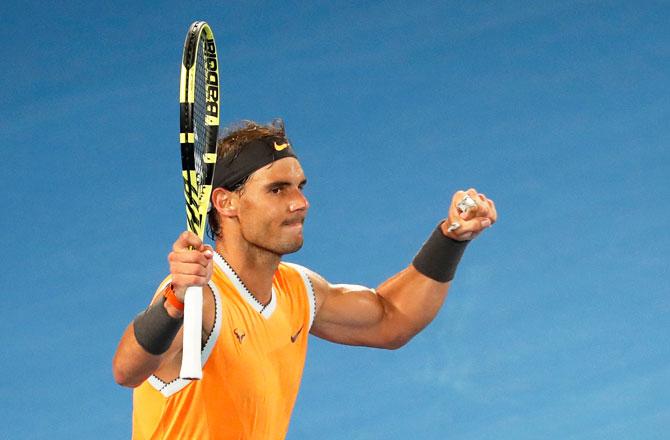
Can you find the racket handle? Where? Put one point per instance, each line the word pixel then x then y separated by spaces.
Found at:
pixel 191 365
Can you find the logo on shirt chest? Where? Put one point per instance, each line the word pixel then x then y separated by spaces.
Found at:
pixel 295 336
pixel 239 334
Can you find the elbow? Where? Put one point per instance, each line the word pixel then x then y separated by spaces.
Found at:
pixel 396 341
pixel 126 381
pixel 396 334
pixel 123 377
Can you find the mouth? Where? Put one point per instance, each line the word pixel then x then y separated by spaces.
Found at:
pixel 294 223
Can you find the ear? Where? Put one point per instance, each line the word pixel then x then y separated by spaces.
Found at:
pixel 225 202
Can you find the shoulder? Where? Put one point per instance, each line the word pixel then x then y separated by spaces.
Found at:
pixel 301 282
pixel 315 281
pixel 307 274
pixel 321 288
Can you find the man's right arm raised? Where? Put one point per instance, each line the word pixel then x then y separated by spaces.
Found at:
pixel 152 341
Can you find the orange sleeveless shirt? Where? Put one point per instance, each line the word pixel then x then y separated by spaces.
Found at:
pixel 252 366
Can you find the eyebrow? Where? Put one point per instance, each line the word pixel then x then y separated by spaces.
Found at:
pixel 284 183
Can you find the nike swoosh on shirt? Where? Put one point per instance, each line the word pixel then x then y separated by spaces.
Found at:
pixel 295 337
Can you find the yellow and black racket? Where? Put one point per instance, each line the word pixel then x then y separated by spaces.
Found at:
pixel 199 127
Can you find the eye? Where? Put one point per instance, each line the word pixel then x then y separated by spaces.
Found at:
pixel 276 189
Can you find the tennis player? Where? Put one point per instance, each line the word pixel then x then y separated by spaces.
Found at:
pixel 258 310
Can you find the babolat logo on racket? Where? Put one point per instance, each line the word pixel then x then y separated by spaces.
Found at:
pixel 212 105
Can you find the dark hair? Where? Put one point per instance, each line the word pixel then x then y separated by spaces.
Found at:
pixel 234 138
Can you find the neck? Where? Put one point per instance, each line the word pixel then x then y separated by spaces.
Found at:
pixel 255 266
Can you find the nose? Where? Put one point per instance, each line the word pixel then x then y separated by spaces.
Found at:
pixel 299 203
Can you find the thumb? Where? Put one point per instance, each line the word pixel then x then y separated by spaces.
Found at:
pixel 207 250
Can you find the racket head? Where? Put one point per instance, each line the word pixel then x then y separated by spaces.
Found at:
pixel 199 106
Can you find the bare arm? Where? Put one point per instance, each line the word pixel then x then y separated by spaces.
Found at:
pixel 403 305
pixel 387 317
pixel 132 364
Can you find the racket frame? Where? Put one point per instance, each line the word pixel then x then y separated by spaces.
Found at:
pixel 197 189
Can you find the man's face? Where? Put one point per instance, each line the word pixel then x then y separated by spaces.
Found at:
pixel 272 207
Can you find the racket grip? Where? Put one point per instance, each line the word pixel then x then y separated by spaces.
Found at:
pixel 191 365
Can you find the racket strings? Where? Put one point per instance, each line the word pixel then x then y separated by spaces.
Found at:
pixel 199 113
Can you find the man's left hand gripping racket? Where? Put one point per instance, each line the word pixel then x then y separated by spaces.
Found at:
pixel 199 128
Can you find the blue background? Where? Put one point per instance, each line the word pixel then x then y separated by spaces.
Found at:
pixel 558 324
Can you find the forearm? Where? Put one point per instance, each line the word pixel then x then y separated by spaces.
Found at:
pixel 411 301
pixel 405 305
pixel 132 365
pixel 146 343
pixel 412 298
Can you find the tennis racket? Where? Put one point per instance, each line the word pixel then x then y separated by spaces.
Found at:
pixel 198 130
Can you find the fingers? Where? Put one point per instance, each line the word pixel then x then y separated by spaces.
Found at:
pixel 468 229
pixel 199 258
pixel 190 263
pixel 185 275
pixel 187 240
pixel 470 204
pixel 492 210
pixel 469 214
pixel 467 236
